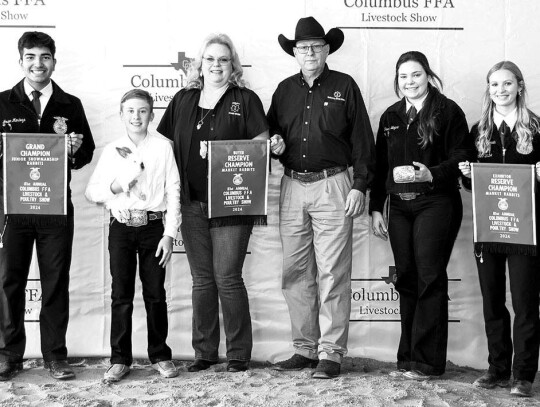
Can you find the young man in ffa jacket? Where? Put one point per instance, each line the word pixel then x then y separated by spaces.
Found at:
pixel 37 105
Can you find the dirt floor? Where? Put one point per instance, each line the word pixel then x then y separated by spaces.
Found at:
pixel 364 382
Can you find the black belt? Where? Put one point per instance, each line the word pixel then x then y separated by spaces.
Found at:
pixel 314 176
pixel 408 196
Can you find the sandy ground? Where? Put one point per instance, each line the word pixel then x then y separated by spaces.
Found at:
pixel 364 382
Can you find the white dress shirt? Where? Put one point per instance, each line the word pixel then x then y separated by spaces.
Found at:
pixel 510 118
pixel 157 188
pixel 46 94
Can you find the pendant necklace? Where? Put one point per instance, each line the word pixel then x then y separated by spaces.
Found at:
pixel 201 122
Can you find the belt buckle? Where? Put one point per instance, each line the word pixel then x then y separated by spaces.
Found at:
pixel 408 196
pixel 138 217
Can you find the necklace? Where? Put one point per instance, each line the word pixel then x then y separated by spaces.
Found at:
pixel 201 122
pixel 220 94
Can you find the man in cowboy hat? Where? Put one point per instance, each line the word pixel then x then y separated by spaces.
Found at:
pixel 320 130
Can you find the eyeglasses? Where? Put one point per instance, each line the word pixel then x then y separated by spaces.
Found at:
pixel 315 48
pixel 221 61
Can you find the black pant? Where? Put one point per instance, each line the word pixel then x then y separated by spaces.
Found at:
pixel 125 242
pixel 524 287
pixel 422 232
pixel 53 246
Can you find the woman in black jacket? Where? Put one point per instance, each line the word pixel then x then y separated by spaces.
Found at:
pixel 508 133
pixel 421 140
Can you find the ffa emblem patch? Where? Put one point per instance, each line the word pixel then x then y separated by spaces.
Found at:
pixel 34 174
pixel 237 180
pixel 60 126
pixel 337 94
pixel 503 204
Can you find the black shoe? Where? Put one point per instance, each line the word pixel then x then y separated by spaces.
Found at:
pixel 296 362
pixel 490 380
pixel 521 388
pixel 200 364
pixel 8 370
pixel 234 366
pixel 326 369
pixel 60 369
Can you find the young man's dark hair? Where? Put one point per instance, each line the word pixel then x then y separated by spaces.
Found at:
pixel 31 39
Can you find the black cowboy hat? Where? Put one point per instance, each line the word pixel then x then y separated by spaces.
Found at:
pixel 308 29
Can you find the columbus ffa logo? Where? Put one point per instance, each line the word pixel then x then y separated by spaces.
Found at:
pixel 60 126
pixel 503 204
pixel 235 109
pixel 237 180
pixel 34 174
pixel 182 64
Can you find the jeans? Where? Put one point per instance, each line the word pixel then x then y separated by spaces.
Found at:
pixel 524 287
pixel 125 243
pixel 53 246
pixel 317 263
pixel 422 232
pixel 216 257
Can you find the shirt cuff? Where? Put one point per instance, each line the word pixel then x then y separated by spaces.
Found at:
pixel 360 184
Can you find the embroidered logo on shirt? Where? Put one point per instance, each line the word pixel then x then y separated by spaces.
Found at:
pixel 60 126
pixel 14 120
pixel 235 108
pixel 336 96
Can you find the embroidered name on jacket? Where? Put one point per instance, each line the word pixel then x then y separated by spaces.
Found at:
pixel 387 130
pixel 336 96
pixel 14 120
pixel 235 109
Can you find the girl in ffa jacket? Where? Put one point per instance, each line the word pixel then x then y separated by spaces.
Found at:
pixel 421 140
pixel 508 133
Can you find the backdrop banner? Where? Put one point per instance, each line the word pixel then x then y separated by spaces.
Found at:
pixel 149 45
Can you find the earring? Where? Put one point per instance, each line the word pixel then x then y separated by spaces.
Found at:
pixel 519 92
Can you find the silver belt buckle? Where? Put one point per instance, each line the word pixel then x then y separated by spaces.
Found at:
pixel 139 217
pixel 408 196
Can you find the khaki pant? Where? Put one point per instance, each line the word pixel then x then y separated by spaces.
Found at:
pixel 317 261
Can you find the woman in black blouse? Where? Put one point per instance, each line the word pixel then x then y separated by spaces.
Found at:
pixel 215 105
pixel 508 133
pixel 419 144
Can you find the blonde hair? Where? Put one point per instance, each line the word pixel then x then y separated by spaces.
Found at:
pixel 194 76
pixel 526 125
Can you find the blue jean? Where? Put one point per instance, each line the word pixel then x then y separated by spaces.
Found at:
pixel 216 257
pixel 125 244
pixel 422 232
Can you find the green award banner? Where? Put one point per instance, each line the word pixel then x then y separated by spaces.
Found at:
pixel 238 177
pixel 35 173
pixel 504 208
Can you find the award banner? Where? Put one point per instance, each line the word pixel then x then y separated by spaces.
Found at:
pixel 237 177
pixel 504 203
pixel 35 173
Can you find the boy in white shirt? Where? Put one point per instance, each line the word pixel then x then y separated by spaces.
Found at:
pixel 137 179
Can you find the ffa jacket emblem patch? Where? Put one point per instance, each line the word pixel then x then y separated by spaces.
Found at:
pixel 60 126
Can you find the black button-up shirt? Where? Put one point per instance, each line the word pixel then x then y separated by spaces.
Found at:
pixel 324 126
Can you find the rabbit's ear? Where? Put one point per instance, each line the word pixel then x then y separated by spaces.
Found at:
pixel 123 151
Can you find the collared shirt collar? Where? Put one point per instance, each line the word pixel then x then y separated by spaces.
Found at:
pixel 510 118
pixel 45 92
pixel 324 74
pixel 418 104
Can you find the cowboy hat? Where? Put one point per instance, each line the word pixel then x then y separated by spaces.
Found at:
pixel 308 29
